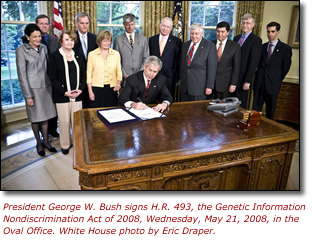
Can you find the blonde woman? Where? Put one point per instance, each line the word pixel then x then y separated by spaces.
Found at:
pixel 67 74
pixel 104 73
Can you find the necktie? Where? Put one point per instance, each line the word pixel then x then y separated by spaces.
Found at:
pixel 147 90
pixel 219 52
pixel 269 50
pixel 84 47
pixel 161 45
pixel 241 40
pixel 131 40
pixel 43 40
pixel 190 54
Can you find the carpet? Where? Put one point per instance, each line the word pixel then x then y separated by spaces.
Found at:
pixel 23 169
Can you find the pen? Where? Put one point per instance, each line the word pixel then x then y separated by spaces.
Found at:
pixel 139 100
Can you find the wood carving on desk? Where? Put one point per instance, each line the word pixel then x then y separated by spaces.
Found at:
pixel 251 119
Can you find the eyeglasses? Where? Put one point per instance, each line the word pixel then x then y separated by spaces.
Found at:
pixel 246 23
pixel 106 41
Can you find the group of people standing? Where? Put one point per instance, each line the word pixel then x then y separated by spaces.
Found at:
pixel 59 76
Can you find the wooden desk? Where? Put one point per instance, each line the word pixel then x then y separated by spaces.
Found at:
pixel 190 149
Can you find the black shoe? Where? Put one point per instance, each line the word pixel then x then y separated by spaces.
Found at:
pixel 51 149
pixel 41 152
pixel 65 151
pixel 54 133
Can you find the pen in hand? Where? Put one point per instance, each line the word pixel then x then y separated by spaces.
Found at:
pixel 139 105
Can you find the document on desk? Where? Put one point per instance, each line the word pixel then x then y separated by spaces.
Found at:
pixel 146 114
pixel 115 115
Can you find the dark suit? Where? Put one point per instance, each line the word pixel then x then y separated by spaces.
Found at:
pixel 170 59
pixel 228 69
pixel 250 57
pixel 52 44
pixel 58 77
pixel 92 45
pixel 135 88
pixel 201 73
pixel 269 76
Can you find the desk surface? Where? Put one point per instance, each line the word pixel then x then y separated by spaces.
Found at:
pixel 188 130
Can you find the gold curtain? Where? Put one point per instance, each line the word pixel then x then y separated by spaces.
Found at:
pixel 254 8
pixel 70 10
pixel 154 11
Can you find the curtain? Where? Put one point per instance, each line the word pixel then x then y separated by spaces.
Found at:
pixel 70 10
pixel 254 8
pixel 154 11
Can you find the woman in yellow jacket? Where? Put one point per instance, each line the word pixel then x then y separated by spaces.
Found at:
pixel 104 73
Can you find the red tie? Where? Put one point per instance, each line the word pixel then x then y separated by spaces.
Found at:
pixel 190 53
pixel 147 90
pixel 241 40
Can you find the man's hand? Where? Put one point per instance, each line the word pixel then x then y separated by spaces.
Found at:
pixel 160 107
pixel 208 91
pixel 232 88
pixel 246 86
pixel 138 105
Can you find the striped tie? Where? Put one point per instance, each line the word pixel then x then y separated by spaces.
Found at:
pixel 241 40
pixel 190 54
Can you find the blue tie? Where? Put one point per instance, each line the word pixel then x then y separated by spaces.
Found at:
pixel 84 47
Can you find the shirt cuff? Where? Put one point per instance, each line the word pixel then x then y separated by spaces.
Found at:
pixel 167 102
pixel 128 104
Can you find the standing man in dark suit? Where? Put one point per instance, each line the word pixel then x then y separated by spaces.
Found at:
pixel 52 44
pixel 146 87
pixel 250 56
pixel 133 47
pixel 168 48
pixel 274 65
pixel 198 65
pixel 86 42
pixel 229 59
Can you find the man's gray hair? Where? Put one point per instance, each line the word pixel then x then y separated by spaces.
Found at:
pixel 195 26
pixel 248 16
pixel 166 19
pixel 154 60
pixel 82 14
pixel 128 18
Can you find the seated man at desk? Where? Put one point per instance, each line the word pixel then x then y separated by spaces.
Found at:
pixel 146 87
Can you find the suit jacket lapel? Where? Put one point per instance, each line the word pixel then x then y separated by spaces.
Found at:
pixel 152 88
pixel 167 46
pixel 275 51
pixel 141 86
pixel 156 45
pixel 199 51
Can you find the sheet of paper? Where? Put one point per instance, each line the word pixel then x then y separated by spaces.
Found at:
pixel 146 114
pixel 116 115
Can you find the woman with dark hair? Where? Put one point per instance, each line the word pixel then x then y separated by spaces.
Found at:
pixel 31 60
pixel 68 76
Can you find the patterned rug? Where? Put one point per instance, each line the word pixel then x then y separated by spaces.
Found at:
pixel 23 169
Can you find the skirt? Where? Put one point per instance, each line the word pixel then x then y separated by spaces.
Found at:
pixel 104 97
pixel 43 108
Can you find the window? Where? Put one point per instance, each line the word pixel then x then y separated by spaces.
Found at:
pixel 110 13
pixel 210 13
pixel 14 16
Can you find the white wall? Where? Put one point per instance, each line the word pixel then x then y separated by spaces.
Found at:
pixel 281 11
